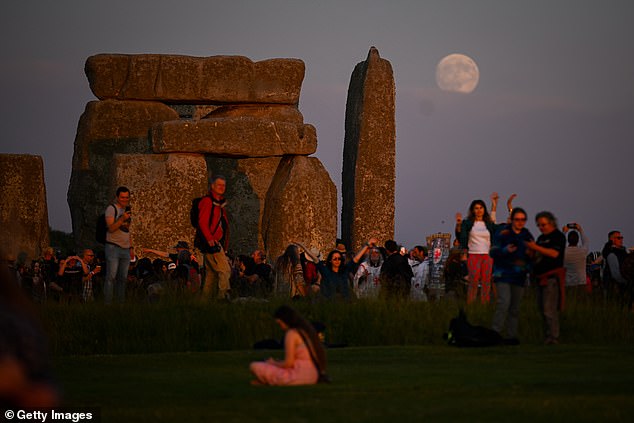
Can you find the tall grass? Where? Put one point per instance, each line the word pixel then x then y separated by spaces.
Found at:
pixel 187 324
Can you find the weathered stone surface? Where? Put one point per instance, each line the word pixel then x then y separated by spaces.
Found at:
pixel 127 122
pixel 369 167
pixel 301 206
pixel 234 137
pixel 186 79
pixel 248 182
pixel 193 111
pixel 23 209
pixel 162 188
pixel 106 128
pixel 271 112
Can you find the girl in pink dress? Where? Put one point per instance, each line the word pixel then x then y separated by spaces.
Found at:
pixel 304 356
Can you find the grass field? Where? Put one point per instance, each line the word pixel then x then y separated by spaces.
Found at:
pixel 182 360
pixel 527 383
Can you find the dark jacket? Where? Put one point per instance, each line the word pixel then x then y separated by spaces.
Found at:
pixel 510 267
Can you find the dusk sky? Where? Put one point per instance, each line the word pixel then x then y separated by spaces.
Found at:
pixel 552 118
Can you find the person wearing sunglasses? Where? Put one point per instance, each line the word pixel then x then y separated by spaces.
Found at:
pixel 511 265
pixel 334 272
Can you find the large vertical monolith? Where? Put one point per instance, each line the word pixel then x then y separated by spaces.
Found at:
pixel 369 153
pixel 23 210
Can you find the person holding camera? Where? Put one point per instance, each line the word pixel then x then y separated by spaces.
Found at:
pixel 118 219
pixel 69 284
pixel 88 258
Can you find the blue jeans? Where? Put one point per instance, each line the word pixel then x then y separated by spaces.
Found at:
pixel 117 264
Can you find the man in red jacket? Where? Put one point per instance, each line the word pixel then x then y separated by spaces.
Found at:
pixel 213 223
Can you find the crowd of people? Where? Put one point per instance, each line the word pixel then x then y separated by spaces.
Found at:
pixel 490 260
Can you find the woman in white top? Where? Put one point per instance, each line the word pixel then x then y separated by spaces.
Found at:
pixel 475 234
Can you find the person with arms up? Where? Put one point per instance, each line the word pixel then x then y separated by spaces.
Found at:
pixel 475 234
pixel 334 272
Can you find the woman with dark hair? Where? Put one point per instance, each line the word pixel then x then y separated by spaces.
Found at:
pixel 511 264
pixel 304 356
pixel 289 276
pixel 475 234
pixel 334 273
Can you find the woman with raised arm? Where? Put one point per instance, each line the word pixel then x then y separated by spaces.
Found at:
pixel 334 273
pixel 475 234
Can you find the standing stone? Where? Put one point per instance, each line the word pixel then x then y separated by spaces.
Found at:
pixel 106 128
pixel 369 168
pixel 301 206
pixel 248 181
pixel 162 187
pixel 23 209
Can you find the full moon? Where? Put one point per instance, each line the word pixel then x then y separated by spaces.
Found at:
pixel 457 73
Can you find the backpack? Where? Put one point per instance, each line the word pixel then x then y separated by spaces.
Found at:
pixel 194 212
pixel 463 334
pixel 199 240
pixel 101 228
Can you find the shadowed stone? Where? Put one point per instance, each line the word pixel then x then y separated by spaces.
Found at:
pixel 106 128
pixel 301 206
pixel 234 137
pixel 162 187
pixel 23 209
pixel 368 177
pixel 271 112
pixel 124 121
pixel 186 79
pixel 248 182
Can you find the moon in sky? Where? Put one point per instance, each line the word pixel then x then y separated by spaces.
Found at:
pixel 457 73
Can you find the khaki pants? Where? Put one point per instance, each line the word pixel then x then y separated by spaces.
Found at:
pixel 217 275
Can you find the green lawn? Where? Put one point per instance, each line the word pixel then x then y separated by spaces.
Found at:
pixel 576 383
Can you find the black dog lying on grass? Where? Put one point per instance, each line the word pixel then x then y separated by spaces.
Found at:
pixel 464 334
